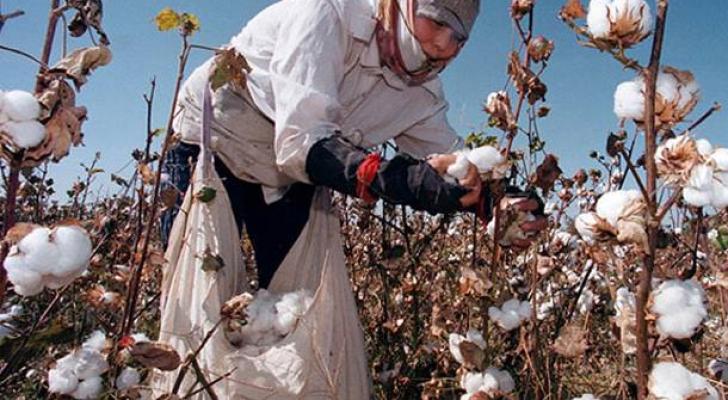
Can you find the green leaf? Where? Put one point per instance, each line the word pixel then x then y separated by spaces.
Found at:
pixel 206 194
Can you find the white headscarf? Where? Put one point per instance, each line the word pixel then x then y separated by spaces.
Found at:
pixel 412 54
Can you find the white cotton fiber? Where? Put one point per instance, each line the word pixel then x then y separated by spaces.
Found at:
pixel 454 340
pixel 704 147
pixel 459 169
pixel 585 225
pixel 76 249
pixel 597 19
pixel 88 388
pixel 667 86
pixel 488 382
pixel 511 314
pixel 89 363
pixel 629 101
pixel 698 191
pixel 26 281
pixel 40 254
pixel 25 134
pixel 271 317
pixel 504 379
pixel 486 158
pixel 96 341
pixel 62 381
pixel 21 106
pixel 672 381
pixel 586 396
pixel 128 378
pixel 612 205
pixel 289 309
pixel 680 308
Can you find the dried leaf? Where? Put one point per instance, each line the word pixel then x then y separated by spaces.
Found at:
pixel 167 19
pixel 547 173
pixel 573 9
pixel 473 356
pixel 146 173
pixel 571 341
pixel 155 355
pixel 62 130
pixel 19 231
pixel 79 64
pixel 473 282
pixel 615 143
pixel 189 24
pixel 230 68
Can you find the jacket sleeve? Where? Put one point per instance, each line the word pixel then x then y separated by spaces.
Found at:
pixel 306 69
pixel 433 135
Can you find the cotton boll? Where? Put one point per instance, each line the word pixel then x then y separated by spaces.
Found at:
pixel 21 106
pixel 25 134
pixel 667 87
pixel 586 396
pixel 704 147
pixel 471 382
pixel 680 308
pixel 698 191
pixel 585 302
pixel 61 381
pixel 140 337
pixel 511 314
pixel 459 169
pixel 612 205
pixel 687 93
pixel 27 282
pixel 719 158
pixel 629 101
pixel 719 196
pixel 586 226
pixel 88 388
pixel 504 379
pixel 40 253
pixel 476 337
pixel 89 363
pixel 597 19
pixel 289 309
pixel 454 341
pixel 75 248
pixel 672 381
pixel 488 159
pixel 96 341
pixel 128 378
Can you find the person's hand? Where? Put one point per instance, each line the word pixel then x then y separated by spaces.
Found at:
pixel 530 227
pixel 471 181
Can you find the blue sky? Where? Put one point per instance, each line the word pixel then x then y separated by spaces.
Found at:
pixel 581 81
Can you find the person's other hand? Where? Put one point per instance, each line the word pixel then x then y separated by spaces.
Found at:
pixel 530 228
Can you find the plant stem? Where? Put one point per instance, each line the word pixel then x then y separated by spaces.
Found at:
pixel 643 356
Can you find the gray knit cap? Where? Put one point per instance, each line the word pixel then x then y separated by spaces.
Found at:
pixel 457 14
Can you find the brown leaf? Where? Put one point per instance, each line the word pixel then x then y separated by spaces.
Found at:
pixel 573 9
pixel 63 129
pixel 155 355
pixel 230 68
pixel 473 282
pixel 79 64
pixel 146 173
pixel 57 93
pixel 547 173
pixel 473 356
pixel 236 306
pixel 571 342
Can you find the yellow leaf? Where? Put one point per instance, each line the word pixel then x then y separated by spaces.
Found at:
pixel 167 19
pixel 189 23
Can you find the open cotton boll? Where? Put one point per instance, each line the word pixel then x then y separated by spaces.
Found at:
pixel 504 379
pixel 25 134
pixel 472 382
pixel 26 281
pixel 586 396
pixel 698 191
pixel 680 308
pixel 89 388
pixel 290 309
pixel 629 101
pixel 96 341
pixel 704 147
pixel 612 205
pixel 597 19
pixel 62 381
pixel 40 254
pixel 459 169
pixel 586 226
pixel 75 248
pixel 128 378
pixel 511 314
pixel 719 159
pixel 667 87
pixel 488 160
pixel 672 381
pixel 21 106
pixel 89 363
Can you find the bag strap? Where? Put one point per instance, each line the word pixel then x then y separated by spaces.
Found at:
pixel 205 158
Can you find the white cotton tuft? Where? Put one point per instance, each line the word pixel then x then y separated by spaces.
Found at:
pixel 62 381
pixel 459 169
pixel 289 309
pixel 680 308
pixel 271 317
pixel 586 396
pixel 88 388
pixel 672 381
pixel 488 159
pixel 89 363
pixel 128 378
pixel 488 382
pixel 454 340
pixel 629 101
pixel 612 205
pixel 21 106
pixel 704 147
pixel 96 341
pixel 25 134
pixel 597 19
pixel 26 281
pixel 504 379
pixel 699 189
pixel 511 314
pixel 40 254
pixel 668 87
pixel 140 337
pixel 76 250
pixel 585 225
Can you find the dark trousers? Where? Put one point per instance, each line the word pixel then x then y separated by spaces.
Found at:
pixel 272 228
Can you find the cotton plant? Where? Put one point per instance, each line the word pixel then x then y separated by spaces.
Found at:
pixel 679 307
pixel 677 95
pixel 78 374
pixel 672 381
pixel 127 379
pixel 622 23
pixel 49 258
pixel 265 318
pixel 511 314
pixel 19 125
pixel 491 382
pixel 619 215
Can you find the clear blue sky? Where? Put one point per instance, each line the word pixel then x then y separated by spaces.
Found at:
pixel 581 81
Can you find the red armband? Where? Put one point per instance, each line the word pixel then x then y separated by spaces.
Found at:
pixel 365 175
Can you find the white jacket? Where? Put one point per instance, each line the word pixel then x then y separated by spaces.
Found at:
pixel 315 70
